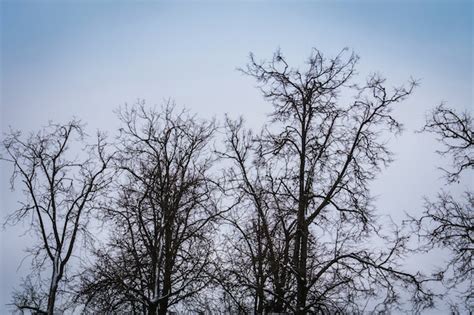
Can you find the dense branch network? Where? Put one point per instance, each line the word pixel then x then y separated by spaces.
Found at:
pixel 454 131
pixel 61 189
pixel 448 222
pixel 276 220
pixel 159 253
pixel 306 215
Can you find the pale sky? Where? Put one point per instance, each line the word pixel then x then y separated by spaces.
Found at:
pixel 86 58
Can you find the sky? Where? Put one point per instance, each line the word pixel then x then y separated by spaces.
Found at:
pixel 87 58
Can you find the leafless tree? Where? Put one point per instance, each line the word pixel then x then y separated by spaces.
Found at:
pixel 448 222
pixel 162 221
pixel 259 240
pixel 454 131
pixel 307 244
pixel 62 185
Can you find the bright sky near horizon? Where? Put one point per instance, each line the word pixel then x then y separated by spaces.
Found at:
pixel 85 58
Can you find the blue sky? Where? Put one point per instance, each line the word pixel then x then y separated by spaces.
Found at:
pixel 101 54
pixel 86 58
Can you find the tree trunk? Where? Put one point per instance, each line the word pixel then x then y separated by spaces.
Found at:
pixel 163 308
pixel 168 252
pixel 151 309
pixel 301 231
pixel 52 297
pixel 53 289
pixel 301 289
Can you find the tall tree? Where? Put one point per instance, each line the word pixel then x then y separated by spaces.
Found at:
pixel 448 222
pixel 260 239
pixel 163 218
pixel 306 178
pixel 62 185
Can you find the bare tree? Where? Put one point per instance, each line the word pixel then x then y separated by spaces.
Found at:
pixel 259 241
pixel 306 180
pixel 454 131
pixel 163 218
pixel 62 185
pixel 448 222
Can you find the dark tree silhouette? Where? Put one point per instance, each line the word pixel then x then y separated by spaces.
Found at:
pixel 62 186
pixel 163 218
pixel 455 132
pixel 290 227
pixel 448 222
pixel 307 228
pixel 260 239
